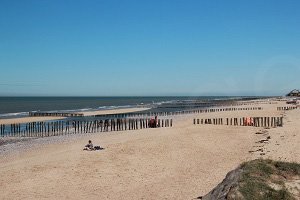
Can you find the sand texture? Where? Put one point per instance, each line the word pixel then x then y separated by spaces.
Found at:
pixel 182 162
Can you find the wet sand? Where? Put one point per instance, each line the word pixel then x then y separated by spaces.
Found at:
pixel 114 111
pixel 88 113
pixel 28 119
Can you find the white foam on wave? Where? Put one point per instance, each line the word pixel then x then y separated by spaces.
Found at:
pixel 114 107
pixel 67 111
pixel 5 115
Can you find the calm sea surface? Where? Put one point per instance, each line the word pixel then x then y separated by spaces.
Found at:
pixel 18 106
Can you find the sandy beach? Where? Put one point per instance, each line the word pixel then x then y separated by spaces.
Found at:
pixel 181 162
pixel 149 100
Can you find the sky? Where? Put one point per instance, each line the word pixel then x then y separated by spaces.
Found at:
pixel 149 48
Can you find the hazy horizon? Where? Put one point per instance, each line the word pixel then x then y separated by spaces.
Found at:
pixel 148 96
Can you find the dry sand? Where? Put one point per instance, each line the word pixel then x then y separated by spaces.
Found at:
pixel 182 162
pixel 88 113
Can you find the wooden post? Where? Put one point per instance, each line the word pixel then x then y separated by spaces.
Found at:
pixel 136 124
pixel 125 124
pixel 272 122
pixel 101 125
pixel 132 124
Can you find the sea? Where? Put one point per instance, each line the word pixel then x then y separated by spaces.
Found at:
pixel 11 107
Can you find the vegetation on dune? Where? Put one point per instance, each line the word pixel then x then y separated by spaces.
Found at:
pixel 265 179
pixel 259 180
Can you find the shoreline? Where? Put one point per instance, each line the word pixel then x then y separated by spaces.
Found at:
pixel 186 159
pixel 29 119
pixel 114 111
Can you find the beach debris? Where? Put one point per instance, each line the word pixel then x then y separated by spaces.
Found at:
pixel 260 149
pixel 263 141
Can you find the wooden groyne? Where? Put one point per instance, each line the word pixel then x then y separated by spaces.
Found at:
pixel 52 114
pixel 183 112
pixel 145 115
pixel 47 129
pixel 244 121
pixel 288 108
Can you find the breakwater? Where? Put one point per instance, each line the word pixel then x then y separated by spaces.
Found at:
pixel 47 129
pixel 243 121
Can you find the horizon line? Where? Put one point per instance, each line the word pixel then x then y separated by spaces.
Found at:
pixel 145 96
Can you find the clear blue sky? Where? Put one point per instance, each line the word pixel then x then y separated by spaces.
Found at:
pixel 157 47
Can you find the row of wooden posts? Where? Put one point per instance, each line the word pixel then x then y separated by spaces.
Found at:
pixel 244 121
pixel 193 111
pixel 45 129
pixel 287 108
pixel 227 109
pixel 149 114
pixel 46 114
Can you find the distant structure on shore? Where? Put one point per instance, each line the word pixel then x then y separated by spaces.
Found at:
pixel 294 93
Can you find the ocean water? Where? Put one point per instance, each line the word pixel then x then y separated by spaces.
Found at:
pixel 20 106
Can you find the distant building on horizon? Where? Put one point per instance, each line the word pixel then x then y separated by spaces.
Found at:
pixel 294 93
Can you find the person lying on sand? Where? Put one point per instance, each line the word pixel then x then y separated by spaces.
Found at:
pixel 90 147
